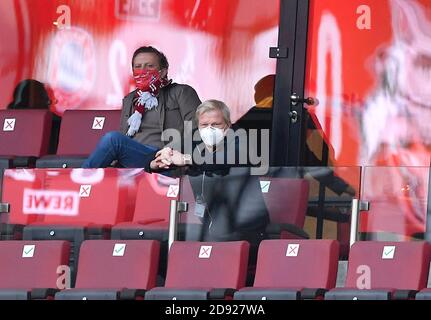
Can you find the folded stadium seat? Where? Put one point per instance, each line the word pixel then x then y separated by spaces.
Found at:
pixel 74 234
pixel 24 136
pixel 425 294
pixel 111 270
pixel 384 271
pixel 30 269
pixel 292 270
pixel 80 132
pixel 286 200
pixel 152 207
pixel 8 231
pixel 201 271
pixel 151 212
pixel 15 182
pixel 68 204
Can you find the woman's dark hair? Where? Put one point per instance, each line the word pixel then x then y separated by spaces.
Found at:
pixel 164 64
pixel 30 94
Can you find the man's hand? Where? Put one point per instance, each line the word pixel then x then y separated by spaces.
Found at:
pixel 177 158
pixel 158 164
pixel 163 160
pixel 164 155
pixel 168 157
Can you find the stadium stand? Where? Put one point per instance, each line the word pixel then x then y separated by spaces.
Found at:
pixel 79 133
pixel 111 270
pixel 30 269
pixel 293 270
pixel 286 200
pixel 384 270
pixel 203 270
pixel 24 137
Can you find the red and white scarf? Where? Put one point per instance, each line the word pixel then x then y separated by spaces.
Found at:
pixel 148 82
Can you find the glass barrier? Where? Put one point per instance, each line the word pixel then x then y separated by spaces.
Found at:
pixel 3 209
pixel 398 198
pixel 226 204
pixel 87 197
pixel 285 203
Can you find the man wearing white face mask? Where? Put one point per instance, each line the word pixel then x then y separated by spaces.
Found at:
pixel 213 119
pixel 221 210
pixel 211 136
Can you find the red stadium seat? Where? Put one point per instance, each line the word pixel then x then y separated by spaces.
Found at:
pixel 29 269
pixel 286 200
pixel 384 270
pixel 66 196
pixel 24 136
pixel 293 269
pixel 151 211
pixel 80 132
pixel 66 204
pixel 200 271
pixel 110 270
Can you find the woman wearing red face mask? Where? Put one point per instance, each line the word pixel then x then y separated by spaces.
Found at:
pixel 157 104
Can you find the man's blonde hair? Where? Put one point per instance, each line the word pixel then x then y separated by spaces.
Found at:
pixel 211 105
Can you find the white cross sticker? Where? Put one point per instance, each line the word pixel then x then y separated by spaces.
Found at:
pixel 28 251
pixel 9 124
pixel 205 252
pixel 388 252
pixel 173 191
pixel 119 250
pixel 98 123
pixel 84 191
pixel 292 250
pixel 264 186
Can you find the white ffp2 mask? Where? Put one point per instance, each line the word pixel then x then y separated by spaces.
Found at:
pixel 211 136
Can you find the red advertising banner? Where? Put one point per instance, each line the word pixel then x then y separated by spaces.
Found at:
pixel 82 50
pixel 368 66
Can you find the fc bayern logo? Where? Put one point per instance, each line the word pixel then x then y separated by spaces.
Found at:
pixel 72 67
